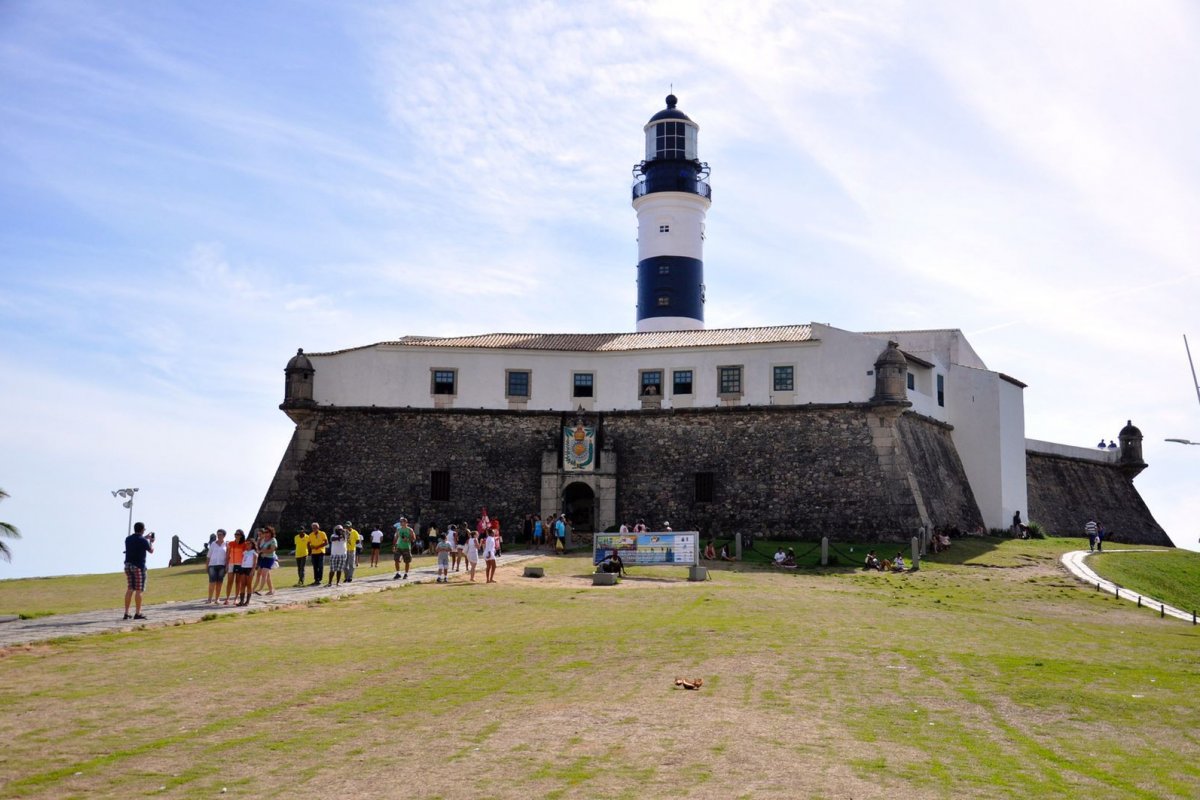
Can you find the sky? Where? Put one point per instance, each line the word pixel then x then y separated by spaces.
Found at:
pixel 192 190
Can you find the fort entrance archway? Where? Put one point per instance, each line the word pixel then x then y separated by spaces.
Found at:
pixel 579 504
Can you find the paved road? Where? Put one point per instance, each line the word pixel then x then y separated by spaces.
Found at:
pixel 1074 562
pixel 28 631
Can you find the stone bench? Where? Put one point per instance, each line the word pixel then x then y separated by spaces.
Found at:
pixel 535 572
pixel 604 579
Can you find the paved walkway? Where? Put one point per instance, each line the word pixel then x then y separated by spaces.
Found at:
pixel 1074 562
pixel 57 626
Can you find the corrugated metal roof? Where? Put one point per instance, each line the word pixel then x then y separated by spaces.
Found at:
pixel 608 342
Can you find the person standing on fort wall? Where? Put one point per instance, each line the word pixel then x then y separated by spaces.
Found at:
pixel 301 555
pixel 318 540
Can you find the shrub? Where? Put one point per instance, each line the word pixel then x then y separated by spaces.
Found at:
pixel 1036 530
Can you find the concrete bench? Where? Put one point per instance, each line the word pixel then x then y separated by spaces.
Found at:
pixel 535 572
pixel 604 579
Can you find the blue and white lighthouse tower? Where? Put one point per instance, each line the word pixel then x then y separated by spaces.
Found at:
pixel 671 196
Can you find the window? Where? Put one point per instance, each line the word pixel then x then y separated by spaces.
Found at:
pixel 941 383
pixel 439 485
pixel 785 379
pixel 682 380
pixel 705 482
pixel 444 381
pixel 584 384
pixel 516 384
pixel 664 228
pixel 664 300
pixel 912 382
pixel 664 269
pixel 651 383
pixel 729 380
pixel 669 140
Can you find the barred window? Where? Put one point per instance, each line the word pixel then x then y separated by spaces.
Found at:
pixel 785 379
pixel 439 485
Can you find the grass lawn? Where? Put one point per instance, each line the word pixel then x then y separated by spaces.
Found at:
pixel 1172 576
pixel 987 674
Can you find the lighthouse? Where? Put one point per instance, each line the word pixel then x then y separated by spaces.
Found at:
pixel 671 195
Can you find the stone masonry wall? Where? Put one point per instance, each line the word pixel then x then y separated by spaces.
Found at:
pixel 798 472
pixel 1064 492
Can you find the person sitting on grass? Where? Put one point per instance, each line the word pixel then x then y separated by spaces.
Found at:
pixel 725 556
pixel 780 557
pixel 789 561
pixel 872 561
pixel 898 563
pixel 710 551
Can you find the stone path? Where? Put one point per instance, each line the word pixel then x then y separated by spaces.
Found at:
pixel 1074 562
pixel 57 626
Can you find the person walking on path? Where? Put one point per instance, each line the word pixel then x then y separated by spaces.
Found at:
pixel 489 556
pixel 1099 538
pixel 218 564
pixel 137 545
pixel 338 553
pixel 301 556
pixel 402 547
pixel 246 572
pixel 353 545
pixel 234 561
pixel 453 538
pixel 537 533
pixel 472 555
pixel 376 544
pixel 1091 529
pixel 560 534
pixel 267 546
pixel 443 559
pixel 318 540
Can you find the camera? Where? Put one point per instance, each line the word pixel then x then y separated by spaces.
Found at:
pixel 150 536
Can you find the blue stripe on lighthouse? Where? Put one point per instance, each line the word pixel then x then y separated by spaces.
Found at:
pixel 677 278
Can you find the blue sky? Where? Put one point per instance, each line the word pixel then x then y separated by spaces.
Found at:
pixel 192 190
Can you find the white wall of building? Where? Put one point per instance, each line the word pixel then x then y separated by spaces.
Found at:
pixel 836 368
pixel 1014 483
pixel 682 214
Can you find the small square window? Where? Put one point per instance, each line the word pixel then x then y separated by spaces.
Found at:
pixel 705 486
pixel 664 300
pixel 729 380
pixel 664 228
pixel 517 384
pixel 584 384
pixel 664 269
pixel 651 383
pixel 682 380
pixel 444 381
pixel 785 379
pixel 439 485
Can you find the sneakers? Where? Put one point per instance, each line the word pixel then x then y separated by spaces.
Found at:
pixel 139 616
pixel 126 617
pixel 396 577
pixel 315 583
pixel 406 576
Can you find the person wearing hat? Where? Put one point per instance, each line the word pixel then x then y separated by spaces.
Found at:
pixel 337 556
pixel 402 551
pixel 353 546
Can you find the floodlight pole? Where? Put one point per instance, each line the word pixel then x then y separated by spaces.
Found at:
pixel 1193 366
pixel 127 493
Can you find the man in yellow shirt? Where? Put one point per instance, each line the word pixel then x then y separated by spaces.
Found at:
pixel 301 555
pixel 352 538
pixel 317 542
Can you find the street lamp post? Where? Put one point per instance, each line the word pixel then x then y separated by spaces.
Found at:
pixel 127 504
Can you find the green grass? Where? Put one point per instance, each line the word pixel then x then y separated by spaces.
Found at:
pixel 989 673
pixel 1172 576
